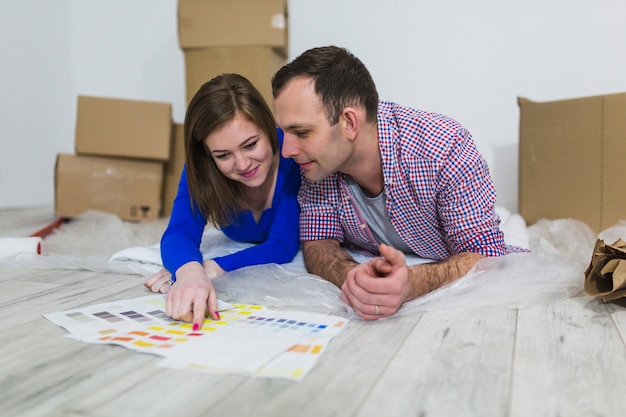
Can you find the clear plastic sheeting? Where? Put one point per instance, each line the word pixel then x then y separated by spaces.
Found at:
pixel 618 231
pixel 563 237
pixel 280 287
pixel 554 269
pixel 560 252
pixel 517 280
pixel 87 243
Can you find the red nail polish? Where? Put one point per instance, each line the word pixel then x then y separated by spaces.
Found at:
pixel 196 326
pixel 217 313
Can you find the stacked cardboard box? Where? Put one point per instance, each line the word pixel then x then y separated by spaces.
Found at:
pixel 173 169
pixel 121 147
pixel 248 37
pixel 129 154
pixel 571 160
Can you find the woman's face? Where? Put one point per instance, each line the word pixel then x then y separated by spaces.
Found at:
pixel 242 152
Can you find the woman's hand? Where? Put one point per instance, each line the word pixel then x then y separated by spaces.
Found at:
pixel 212 269
pixel 160 282
pixel 192 296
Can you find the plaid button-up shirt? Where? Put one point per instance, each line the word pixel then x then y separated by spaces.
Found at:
pixel 439 193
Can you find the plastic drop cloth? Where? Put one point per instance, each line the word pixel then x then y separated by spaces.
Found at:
pixel 87 242
pixel 560 252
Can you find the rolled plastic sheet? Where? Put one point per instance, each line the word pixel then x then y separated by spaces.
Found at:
pixel 10 246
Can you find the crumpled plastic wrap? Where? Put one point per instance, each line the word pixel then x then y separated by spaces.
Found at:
pixel 87 242
pixel 518 280
pixel 565 237
pixel 553 269
pixel 278 287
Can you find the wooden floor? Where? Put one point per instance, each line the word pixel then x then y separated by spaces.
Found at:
pixel 563 359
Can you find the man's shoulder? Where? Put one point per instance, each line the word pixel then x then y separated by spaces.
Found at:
pixel 410 117
pixel 419 132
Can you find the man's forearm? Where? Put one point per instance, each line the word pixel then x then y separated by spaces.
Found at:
pixel 326 259
pixel 425 278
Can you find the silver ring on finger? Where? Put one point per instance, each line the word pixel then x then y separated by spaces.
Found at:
pixel 169 282
pixel 377 311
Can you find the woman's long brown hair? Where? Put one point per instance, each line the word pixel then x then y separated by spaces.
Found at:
pixel 216 103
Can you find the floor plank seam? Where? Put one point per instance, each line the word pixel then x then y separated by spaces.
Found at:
pixel 618 327
pixel 512 373
pixel 358 409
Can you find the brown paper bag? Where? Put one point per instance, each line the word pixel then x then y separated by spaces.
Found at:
pixel 606 274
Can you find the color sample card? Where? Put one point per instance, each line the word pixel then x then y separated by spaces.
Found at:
pixel 107 319
pixel 254 345
pixel 248 339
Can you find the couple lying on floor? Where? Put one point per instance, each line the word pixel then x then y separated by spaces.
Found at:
pixel 332 167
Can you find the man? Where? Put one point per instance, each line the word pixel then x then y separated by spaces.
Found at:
pixel 382 178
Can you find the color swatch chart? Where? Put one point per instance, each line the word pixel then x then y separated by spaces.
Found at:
pixel 248 339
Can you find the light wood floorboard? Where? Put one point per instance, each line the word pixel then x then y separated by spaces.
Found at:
pixel 570 360
pixel 459 365
pixel 566 358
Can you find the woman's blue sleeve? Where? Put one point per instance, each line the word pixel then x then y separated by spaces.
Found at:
pixel 181 241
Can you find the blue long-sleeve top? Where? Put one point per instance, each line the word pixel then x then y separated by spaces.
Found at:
pixel 276 233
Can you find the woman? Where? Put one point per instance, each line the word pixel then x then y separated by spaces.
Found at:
pixel 236 179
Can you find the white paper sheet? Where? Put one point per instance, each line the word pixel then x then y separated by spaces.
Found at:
pixel 249 340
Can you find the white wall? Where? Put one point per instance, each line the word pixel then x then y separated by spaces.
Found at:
pixel 472 59
pixel 35 96
pixel 53 51
pixel 469 60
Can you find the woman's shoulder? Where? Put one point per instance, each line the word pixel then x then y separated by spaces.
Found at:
pixel 289 171
pixel 285 163
pixel 281 138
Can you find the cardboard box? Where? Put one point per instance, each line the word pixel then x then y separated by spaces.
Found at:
pixel 173 169
pixel 257 63
pixel 571 160
pixel 124 128
pixel 209 23
pixel 128 188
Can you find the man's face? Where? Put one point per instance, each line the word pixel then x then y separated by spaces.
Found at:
pixel 319 148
